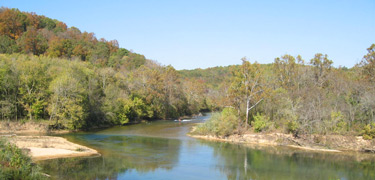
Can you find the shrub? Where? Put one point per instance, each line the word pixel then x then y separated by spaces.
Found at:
pixel 368 132
pixel 336 124
pixel 14 164
pixel 260 123
pixel 292 126
pixel 220 124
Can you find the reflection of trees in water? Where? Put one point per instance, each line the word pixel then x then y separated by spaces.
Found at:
pixel 120 154
pixel 84 168
pixel 239 162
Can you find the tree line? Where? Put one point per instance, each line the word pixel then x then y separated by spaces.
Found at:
pixel 79 95
pixel 76 81
pixel 297 96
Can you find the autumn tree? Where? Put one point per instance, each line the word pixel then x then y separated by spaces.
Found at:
pixel 33 42
pixel 368 64
pixel 23 32
pixel 12 23
pixel 322 66
pixel 246 85
pixel 287 70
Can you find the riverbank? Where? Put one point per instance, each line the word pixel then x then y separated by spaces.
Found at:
pixel 28 128
pixel 327 143
pixel 49 147
pixel 42 127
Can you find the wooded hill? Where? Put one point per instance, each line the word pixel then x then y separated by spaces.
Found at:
pixel 75 81
pixel 70 79
pixel 299 96
pixel 29 33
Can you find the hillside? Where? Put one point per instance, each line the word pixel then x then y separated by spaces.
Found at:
pixel 213 77
pixel 73 80
pixel 29 33
pixel 68 79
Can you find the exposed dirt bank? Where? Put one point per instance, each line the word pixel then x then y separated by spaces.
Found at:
pixel 328 143
pixel 27 128
pixel 49 147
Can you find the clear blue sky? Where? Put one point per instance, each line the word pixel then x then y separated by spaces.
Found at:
pixel 205 33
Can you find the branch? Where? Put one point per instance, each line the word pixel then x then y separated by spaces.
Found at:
pixel 255 93
pixel 255 104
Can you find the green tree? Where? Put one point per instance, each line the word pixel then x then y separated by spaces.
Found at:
pixel 7 45
pixel 68 104
pixel 32 84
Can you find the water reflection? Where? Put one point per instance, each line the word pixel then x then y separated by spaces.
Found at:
pixel 240 162
pixel 161 150
pixel 119 155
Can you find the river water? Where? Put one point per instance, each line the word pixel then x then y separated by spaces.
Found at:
pixel 161 150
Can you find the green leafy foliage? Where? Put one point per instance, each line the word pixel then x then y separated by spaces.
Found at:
pixel 7 45
pixel 78 81
pixel 133 109
pixel 14 164
pixel 301 98
pixel 261 123
pixel 336 123
pixel 292 126
pixel 368 131
pixel 93 83
pixel 80 95
pixel 220 124
pixel 37 109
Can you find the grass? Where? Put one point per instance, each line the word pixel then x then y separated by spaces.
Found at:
pixel 80 149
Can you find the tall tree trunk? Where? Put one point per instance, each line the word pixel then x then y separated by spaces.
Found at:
pixel 247 113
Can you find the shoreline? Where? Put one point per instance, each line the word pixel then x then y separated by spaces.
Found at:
pixel 28 128
pixel 49 147
pixel 328 143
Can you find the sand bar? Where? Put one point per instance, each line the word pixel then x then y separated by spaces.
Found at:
pixel 50 147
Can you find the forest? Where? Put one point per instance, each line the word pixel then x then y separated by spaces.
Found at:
pixel 296 96
pixel 72 80
pixel 57 74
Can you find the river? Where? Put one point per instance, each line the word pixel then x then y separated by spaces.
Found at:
pixel 161 150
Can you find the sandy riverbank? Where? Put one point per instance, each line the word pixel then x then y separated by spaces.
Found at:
pixel 49 147
pixel 328 143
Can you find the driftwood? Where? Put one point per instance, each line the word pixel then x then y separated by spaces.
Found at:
pixel 369 150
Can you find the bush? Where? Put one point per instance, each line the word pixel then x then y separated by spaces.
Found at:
pixel 336 124
pixel 220 124
pixel 16 165
pixel 368 132
pixel 260 123
pixel 292 127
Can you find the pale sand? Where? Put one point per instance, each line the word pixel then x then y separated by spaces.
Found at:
pixel 49 147
pixel 260 139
